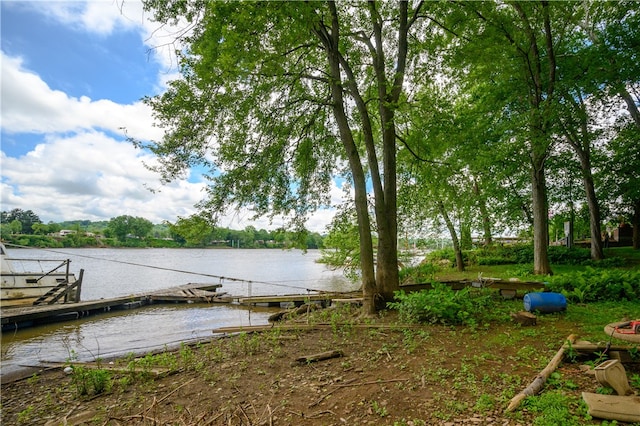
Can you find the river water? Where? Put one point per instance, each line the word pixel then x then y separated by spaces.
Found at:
pixel 117 272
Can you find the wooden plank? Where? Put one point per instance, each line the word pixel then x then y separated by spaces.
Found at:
pixel 613 407
pixel 593 347
pixel 30 313
pixel 289 298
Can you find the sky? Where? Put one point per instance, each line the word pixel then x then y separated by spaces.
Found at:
pixel 73 76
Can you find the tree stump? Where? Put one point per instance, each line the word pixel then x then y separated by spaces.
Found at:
pixel 524 318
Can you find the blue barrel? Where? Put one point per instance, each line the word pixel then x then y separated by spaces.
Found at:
pixel 545 302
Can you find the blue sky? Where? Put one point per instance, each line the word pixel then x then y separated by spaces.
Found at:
pixel 73 74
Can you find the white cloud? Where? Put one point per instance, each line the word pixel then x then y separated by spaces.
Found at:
pixel 82 168
pixel 91 176
pixel 29 105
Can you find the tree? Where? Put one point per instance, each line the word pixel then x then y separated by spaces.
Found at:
pixel 123 226
pixel 515 45
pixel 27 219
pixel 284 95
pixel 40 228
pixel 194 230
pixel 621 176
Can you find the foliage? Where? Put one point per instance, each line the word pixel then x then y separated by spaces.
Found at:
pixel 522 254
pixel 89 381
pixel 441 305
pixel 555 408
pixel 445 254
pixel 592 285
pixel 422 273
pixel 341 245
pixel 194 230
pixel 25 218
pixel 123 226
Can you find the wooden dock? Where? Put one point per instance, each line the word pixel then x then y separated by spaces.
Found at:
pixel 296 299
pixel 19 317
pixel 25 316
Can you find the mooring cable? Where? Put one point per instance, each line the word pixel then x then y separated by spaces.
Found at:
pixel 220 277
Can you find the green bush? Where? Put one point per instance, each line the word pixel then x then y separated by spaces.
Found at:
pixel 441 305
pixel 423 273
pixel 593 285
pixel 561 255
pixel 91 381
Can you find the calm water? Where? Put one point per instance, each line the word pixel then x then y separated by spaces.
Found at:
pixel 116 272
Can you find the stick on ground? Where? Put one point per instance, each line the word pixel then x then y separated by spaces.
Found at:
pixel 536 385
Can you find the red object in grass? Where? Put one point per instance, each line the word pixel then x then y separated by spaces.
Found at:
pixel 631 327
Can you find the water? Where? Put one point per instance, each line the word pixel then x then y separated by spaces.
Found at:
pixel 115 272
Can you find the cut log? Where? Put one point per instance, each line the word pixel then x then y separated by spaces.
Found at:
pixel 524 318
pixel 320 357
pixel 613 407
pixel 536 385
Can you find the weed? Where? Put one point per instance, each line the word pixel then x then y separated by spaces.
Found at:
pixel 604 390
pixel 554 408
pixel 441 305
pixel 379 409
pixel 485 403
pixel 635 380
pixel 33 379
pixel 570 353
pixel 88 381
pixel 25 416
pixel 634 353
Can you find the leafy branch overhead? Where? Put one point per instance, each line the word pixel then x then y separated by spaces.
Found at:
pixel 462 112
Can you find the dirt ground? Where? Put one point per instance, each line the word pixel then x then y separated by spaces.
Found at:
pixel 387 375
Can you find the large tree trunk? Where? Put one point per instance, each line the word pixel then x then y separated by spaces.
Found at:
pixel 541 264
pixel 580 142
pixel 594 210
pixel 636 225
pixel 484 214
pixel 541 90
pixel 454 236
pixel 331 43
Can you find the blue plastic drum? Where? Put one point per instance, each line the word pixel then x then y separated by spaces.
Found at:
pixel 545 302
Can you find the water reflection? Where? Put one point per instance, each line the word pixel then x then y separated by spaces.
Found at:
pixel 264 272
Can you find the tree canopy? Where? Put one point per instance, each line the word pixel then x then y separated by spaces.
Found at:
pixel 456 110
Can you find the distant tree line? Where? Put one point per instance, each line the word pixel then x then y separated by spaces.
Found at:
pixel 24 227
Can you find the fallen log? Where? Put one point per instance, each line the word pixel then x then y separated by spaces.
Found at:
pixel 536 385
pixel 320 357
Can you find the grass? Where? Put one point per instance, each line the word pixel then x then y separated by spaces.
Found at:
pixel 631 256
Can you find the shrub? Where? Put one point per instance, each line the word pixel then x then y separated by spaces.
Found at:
pixel 592 285
pixel 422 273
pixel 441 305
pixel 91 381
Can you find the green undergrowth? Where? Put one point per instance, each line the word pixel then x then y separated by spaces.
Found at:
pixel 515 262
